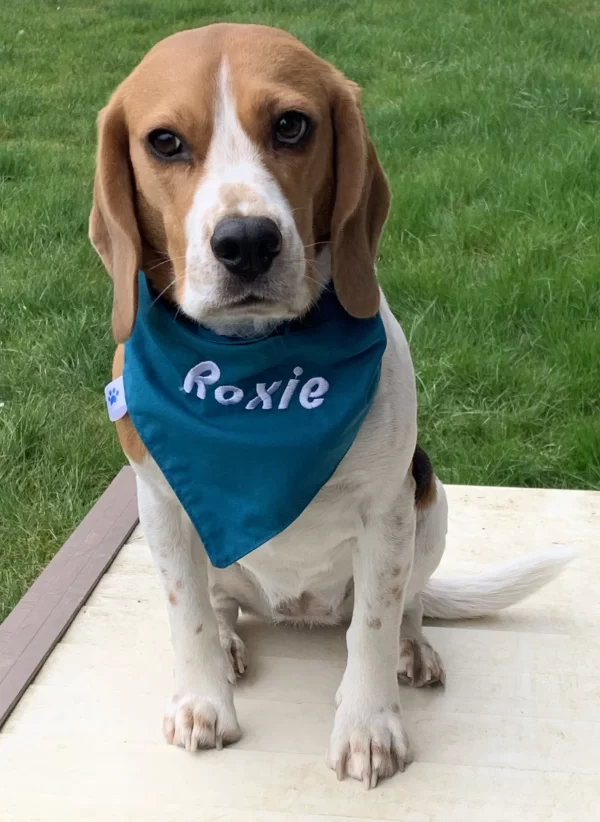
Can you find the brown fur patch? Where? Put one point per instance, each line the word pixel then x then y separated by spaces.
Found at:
pixel 287 608
pixel 179 584
pixel 129 438
pixel 172 598
pixel 232 195
pixel 417 661
pixel 335 185
pixel 382 754
pixel 199 629
pixel 374 623
pixel 425 487
pixel 203 722
pixel 307 605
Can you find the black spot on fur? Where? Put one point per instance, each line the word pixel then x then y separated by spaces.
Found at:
pixel 422 471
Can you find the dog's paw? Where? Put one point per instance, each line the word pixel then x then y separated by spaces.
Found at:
pixel 193 722
pixel 236 653
pixel 419 664
pixel 368 748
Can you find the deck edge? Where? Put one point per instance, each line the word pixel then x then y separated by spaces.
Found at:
pixel 40 619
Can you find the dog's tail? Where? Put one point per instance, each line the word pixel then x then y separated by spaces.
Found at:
pixel 469 597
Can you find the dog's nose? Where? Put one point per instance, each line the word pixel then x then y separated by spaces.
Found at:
pixel 246 245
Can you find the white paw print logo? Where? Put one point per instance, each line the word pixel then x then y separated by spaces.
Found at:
pixel 114 394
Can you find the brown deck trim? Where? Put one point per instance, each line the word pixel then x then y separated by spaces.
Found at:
pixel 40 619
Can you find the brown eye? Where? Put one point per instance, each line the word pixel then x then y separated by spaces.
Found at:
pixel 291 128
pixel 165 145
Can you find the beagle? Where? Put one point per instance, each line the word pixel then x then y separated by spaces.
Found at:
pixel 235 170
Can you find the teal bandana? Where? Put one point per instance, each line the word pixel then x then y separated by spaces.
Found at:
pixel 247 431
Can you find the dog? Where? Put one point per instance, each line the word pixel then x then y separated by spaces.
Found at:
pixel 235 169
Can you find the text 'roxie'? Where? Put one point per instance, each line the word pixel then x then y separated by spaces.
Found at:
pixel 206 374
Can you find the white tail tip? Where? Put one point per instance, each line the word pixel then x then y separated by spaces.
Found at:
pixel 470 597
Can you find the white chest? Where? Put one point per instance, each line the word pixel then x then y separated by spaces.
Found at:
pixel 304 572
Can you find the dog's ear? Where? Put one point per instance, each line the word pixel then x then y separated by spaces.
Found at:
pixel 113 228
pixel 361 204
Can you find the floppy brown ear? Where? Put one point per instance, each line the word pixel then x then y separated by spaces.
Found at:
pixel 362 200
pixel 113 228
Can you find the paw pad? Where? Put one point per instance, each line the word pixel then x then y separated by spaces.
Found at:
pixel 112 395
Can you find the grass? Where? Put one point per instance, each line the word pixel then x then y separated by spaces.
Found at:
pixel 485 114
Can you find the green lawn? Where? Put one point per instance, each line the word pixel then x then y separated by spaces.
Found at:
pixel 486 116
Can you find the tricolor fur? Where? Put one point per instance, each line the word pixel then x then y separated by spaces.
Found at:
pixel 363 552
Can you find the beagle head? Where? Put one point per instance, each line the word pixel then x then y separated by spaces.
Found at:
pixel 235 169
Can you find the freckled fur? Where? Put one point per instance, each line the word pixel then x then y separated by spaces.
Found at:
pixel 383 515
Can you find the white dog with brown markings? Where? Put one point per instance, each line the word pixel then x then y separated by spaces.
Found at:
pixel 234 125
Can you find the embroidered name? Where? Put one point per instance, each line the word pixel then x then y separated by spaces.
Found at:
pixel 206 374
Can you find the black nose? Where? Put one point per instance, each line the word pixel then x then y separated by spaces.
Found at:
pixel 246 245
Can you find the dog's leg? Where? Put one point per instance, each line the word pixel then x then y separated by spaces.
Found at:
pixel 419 664
pixel 227 610
pixel 232 590
pixel 201 713
pixel 368 740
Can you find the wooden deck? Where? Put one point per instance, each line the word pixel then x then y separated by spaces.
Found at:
pixel 514 736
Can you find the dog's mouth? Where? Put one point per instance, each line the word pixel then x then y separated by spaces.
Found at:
pixel 251 301
pixel 247 316
pixel 252 305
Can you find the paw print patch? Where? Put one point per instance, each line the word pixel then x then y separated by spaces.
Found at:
pixel 114 394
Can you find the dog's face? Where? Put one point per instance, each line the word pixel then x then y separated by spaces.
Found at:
pixel 229 162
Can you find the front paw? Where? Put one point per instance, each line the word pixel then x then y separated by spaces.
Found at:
pixel 194 722
pixel 419 664
pixel 236 653
pixel 368 746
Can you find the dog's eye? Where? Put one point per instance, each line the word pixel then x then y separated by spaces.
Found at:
pixel 165 144
pixel 290 128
